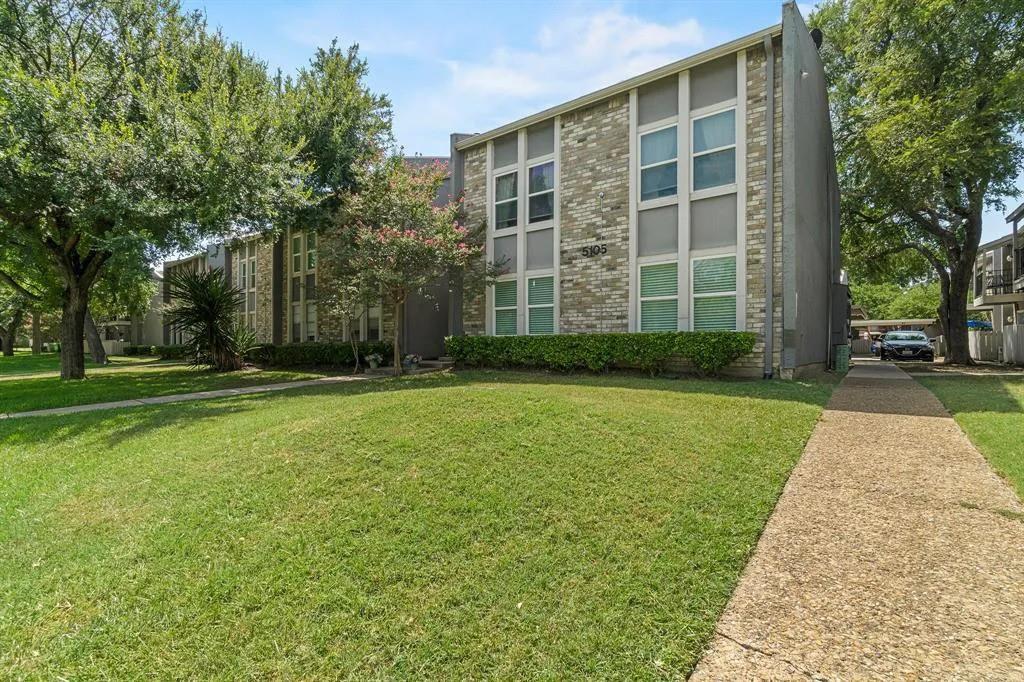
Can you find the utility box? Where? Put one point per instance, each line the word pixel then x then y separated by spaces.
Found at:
pixel 842 358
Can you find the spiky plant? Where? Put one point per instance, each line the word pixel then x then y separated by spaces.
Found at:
pixel 205 305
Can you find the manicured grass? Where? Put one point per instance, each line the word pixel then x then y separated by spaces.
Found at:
pixel 103 385
pixel 23 362
pixel 455 526
pixel 990 410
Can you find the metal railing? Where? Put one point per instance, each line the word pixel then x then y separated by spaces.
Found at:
pixel 999 282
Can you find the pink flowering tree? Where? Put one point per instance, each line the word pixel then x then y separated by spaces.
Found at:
pixel 393 241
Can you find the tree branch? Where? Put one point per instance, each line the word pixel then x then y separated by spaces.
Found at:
pixel 18 287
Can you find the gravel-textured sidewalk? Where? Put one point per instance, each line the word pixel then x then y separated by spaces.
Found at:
pixel 894 552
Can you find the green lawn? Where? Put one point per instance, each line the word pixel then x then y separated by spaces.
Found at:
pixel 460 526
pixel 23 362
pixel 124 382
pixel 990 410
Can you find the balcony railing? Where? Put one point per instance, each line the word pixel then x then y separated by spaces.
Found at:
pixel 999 282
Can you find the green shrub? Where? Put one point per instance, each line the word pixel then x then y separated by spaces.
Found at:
pixel 707 351
pixel 171 352
pixel 314 354
pixel 140 350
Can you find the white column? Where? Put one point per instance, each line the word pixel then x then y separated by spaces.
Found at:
pixel 634 164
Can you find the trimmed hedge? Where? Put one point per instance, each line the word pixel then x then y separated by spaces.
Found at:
pixel 140 350
pixel 178 352
pixel 315 354
pixel 707 351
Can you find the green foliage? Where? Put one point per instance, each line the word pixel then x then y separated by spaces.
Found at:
pixel 172 352
pixel 141 350
pixel 891 302
pixel 314 354
pixel 205 305
pixel 707 351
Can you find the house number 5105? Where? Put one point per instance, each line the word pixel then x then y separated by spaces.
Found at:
pixel 596 250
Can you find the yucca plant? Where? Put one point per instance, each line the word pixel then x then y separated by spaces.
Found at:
pixel 204 307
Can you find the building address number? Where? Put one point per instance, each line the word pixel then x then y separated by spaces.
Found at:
pixel 595 250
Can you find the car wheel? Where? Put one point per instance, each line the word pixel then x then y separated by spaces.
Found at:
pixel 881 356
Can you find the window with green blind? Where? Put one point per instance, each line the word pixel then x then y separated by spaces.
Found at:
pixel 505 313
pixel 659 297
pixel 714 293
pixel 540 305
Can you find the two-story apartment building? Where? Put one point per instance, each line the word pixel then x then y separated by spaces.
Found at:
pixel 998 287
pixel 698 196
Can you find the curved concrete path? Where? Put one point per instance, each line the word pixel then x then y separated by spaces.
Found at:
pixel 894 552
pixel 185 397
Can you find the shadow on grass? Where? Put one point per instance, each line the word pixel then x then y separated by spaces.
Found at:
pixel 974 393
pixel 122 424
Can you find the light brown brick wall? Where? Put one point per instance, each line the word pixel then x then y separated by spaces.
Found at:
pixel 594 152
pixel 264 292
pixel 475 173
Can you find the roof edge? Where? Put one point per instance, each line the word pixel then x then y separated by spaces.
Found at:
pixel 624 86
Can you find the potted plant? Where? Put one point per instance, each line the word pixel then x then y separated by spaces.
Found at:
pixel 374 360
pixel 411 361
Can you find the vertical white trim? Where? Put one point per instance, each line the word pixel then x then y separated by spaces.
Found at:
pixel 683 168
pixel 489 248
pixel 523 204
pixel 633 323
pixel 556 237
pixel 741 190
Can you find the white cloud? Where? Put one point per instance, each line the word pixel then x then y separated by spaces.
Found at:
pixel 569 56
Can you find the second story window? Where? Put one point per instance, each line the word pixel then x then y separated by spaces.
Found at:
pixel 658 156
pixel 506 201
pixel 542 192
pixel 714 150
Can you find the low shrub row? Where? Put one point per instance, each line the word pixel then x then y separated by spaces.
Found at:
pixel 141 350
pixel 706 351
pixel 176 352
pixel 315 354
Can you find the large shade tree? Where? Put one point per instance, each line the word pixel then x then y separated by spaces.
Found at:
pixel 127 123
pixel 928 104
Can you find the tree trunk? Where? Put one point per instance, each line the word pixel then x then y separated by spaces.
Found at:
pixel 37 334
pixel 11 335
pixel 398 337
pixel 92 335
pixel 355 344
pixel 954 319
pixel 72 329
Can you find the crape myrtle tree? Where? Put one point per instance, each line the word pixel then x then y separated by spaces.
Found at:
pixel 392 242
pixel 927 99
pixel 127 124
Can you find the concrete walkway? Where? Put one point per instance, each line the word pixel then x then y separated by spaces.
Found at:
pixel 894 552
pixel 184 397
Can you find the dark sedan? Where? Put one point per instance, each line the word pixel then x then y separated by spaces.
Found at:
pixel 906 346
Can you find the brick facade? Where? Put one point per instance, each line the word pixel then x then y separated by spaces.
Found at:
pixel 265 291
pixel 474 302
pixel 594 149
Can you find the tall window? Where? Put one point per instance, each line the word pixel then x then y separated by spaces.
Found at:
pixel 302 286
pixel 714 150
pixel 506 314
pixel 659 297
pixel 245 266
pixel 714 293
pixel 540 305
pixel 506 201
pixel 658 156
pixel 541 200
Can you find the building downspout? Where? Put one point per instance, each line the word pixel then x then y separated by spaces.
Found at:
pixel 769 220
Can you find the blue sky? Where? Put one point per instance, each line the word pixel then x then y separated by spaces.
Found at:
pixel 471 66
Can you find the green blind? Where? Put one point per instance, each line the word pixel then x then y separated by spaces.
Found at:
pixel 542 320
pixel 712 275
pixel 540 291
pixel 711 313
pixel 505 294
pixel 659 280
pixel 505 322
pixel 659 316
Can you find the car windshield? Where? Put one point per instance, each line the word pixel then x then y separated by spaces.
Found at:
pixel 905 336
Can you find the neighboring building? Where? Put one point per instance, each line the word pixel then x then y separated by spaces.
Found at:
pixel 139 330
pixel 214 256
pixel 283 282
pixel 998 282
pixel 646 206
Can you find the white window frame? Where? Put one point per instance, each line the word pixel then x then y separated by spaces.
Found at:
pixel 531 164
pixel 302 301
pixel 647 261
pixel 642 131
pixel 541 274
pixel 708 254
pixel 495 308
pixel 498 174
pixel 708 112
pixel 247 276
